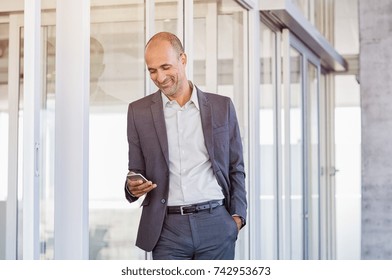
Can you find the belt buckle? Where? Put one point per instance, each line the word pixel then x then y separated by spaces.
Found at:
pixel 182 210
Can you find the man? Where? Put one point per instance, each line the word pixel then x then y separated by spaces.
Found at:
pixel 187 144
pixel 98 97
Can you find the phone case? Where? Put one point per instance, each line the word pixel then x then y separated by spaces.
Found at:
pixel 137 176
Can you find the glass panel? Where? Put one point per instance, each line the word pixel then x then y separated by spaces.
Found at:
pixel 313 163
pixel 199 46
pixel 267 220
pixel 303 6
pixel 317 13
pixel 220 44
pixel 296 158
pixel 346 27
pixel 232 70
pixel 348 161
pixel 232 63
pixel 219 28
pixel 117 78
pixel 46 184
pixel 220 52
pixel 319 16
pixel 4 39
pixel 19 254
pixel 47 143
pixel 166 17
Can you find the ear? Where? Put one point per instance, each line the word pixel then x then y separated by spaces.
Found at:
pixel 183 58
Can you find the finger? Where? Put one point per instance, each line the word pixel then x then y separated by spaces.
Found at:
pixel 135 187
pixel 134 183
pixel 145 187
pixel 149 188
pixel 139 190
pixel 132 186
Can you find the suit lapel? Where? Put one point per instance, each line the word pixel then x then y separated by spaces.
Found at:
pixel 206 122
pixel 159 123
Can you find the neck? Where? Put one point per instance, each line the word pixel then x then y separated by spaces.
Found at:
pixel 184 94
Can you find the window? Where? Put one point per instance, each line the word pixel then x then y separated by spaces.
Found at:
pixel 116 78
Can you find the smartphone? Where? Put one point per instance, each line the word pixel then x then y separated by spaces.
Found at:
pixel 136 177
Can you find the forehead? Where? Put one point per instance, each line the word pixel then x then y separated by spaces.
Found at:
pixel 160 52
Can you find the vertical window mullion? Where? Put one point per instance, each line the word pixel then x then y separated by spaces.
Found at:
pixel 31 128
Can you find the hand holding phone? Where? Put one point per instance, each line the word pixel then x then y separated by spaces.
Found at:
pixel 136 188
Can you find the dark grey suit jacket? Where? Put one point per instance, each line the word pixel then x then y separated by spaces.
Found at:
pixel 149 155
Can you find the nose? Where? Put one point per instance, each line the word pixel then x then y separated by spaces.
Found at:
pixel 160 76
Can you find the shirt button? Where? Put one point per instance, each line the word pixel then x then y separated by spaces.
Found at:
pixel 163 201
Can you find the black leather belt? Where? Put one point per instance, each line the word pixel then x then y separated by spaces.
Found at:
pixel 194 208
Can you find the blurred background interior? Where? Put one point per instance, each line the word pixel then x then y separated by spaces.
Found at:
pixel 292 70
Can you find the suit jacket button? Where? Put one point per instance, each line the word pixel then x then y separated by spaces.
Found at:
pixel 163 201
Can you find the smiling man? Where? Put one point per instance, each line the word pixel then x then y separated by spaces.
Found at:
pixel 187 144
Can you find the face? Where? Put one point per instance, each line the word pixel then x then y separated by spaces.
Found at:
pixel 166 67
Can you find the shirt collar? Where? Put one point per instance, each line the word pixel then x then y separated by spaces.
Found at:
pixel 194 98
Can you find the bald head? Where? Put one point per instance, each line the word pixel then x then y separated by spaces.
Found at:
pixel 166 62
pixel 168 37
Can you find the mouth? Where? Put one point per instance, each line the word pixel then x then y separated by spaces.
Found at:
pixel 166 88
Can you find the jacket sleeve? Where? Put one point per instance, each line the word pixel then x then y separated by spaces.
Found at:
pixel 238 201
pixel 135 155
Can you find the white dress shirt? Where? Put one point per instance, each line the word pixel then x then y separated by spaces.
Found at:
pixel 191 177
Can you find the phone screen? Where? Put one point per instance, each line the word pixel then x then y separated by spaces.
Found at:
pixel 136 177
